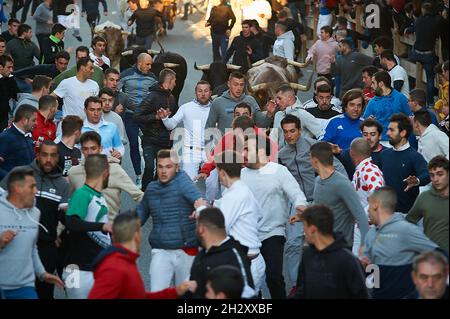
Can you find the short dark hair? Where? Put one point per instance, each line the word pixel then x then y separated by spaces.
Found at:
pixel 342 20
pixel 13 20
pixel 427 8
pixel 46 102
pixel 322 152
pixel 324 88
pixel 111 71
pixel 282 25
pixel 40 82
pixel 433 257
pixel 231 162
pixel 47 143
pixel 62 55
pixel 91 136
pixel 2 40
pixel 95 165
pixel 23 28
pixel 371 123
pixel 388 55
pixel 320 216
pixel 167 153
pixel 25 111
pixel 327 29
pixel 289 119
pixel 370 70
pixel 203 82
pixel 82 48
pixel 124 227
pixel 243 105
pixel 70 124
pixel 236 75
pixel 439 161
pixel 419 96
pixel 403 122
pixel 351 95
pixel 346 42
pixel 165 73
pixel 286 88
pixel 83 62
pixel 383 76
pixel 97 39
pixel 321 79
pixel 247 22
pixel 18 175
pixel 91 99
pixel 423 117
pixel 226 279
pixel 106 91
pixel 58 28
pixel 5 58
pixel 212 218
pixel 243 122
pixel 387 196
pixel 384 42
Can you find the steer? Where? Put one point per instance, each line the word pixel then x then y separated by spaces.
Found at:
pixel 115 39
pixel 217 74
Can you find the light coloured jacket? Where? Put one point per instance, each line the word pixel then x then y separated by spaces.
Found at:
pixel 320 52
pixel 433 142
pixel 118 181
pixel 284 46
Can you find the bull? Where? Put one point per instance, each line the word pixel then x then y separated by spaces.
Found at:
pixel 267 75
pixel 161 61
pixel 168 10
pixel 115 39
pixel 217 74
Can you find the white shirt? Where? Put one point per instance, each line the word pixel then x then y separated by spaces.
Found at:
pixel 367 178
pixel 103 57
pixel 433 142
pixel 194 117
pixel 399 73
pixel 274 188
pixel 242 213
pixel 74 93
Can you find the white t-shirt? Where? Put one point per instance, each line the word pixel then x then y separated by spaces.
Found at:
pixel 74 93
pixel 103 57
pixel 398 73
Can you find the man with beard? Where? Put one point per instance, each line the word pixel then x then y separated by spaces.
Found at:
pixel 403 167
pixel 324 110
pixel 51 199
pixel 88 226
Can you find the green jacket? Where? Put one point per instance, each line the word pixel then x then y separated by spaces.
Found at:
pixel 97 76
pixel 433 208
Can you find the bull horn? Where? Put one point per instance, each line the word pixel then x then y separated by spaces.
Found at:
pixel 297 64
pixel 150 51
pixel 126 33
pixel 204 67
pixel 258 87
pixel 171 65
pixel 258 63
pixel 129 52
pixel 301 87
pixel 233 67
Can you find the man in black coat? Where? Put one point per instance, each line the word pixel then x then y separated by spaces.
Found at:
pixel 221 26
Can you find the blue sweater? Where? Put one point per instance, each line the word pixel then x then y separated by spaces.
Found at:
pixel 342 130
pixel 383 107
pixel 15 150
pixel 398 165
pixel 170 206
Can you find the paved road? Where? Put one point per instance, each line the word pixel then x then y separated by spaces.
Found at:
pixel 188 38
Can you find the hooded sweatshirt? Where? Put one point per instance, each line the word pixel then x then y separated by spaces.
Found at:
pixel 19 260
pixel 433 208
pixel 27 98
pixel 331 273
pixel 222 110
pixel 284 45
pixel 392 247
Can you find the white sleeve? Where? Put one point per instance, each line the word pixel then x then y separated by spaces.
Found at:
pixel 61 89
pixel 171 122
pixel 290 187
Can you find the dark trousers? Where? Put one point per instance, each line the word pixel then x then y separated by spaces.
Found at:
pixel 48 253
pixel 428 60
pixel 92 19
pixel 133 136
pixel 26 7
pixel 17 5
pixel 146 42
pixel 272 250
pixel 219 46
pixel 41 38
pixel 150 152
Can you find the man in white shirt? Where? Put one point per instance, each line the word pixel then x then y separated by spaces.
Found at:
pixel 75 90
pixel 399 77
pixel 432 141
pixel 288 103
pixel 106 96
pixel 193 115
pixel 98 53
pixel 241 211
pixel 274 188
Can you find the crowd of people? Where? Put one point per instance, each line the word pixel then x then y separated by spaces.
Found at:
pixel 344 195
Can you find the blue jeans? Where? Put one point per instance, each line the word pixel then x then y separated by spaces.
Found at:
pixel 296 7
pixel 133 136
pixel 146 42
pixel 293 251
pixel 428 60
pixel 150 152
pixel 219 46
pixel 20 293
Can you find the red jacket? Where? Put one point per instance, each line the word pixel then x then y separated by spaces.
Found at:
pixel 44 131
pixel 117 277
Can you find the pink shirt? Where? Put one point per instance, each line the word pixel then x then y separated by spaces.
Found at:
pixel 321 51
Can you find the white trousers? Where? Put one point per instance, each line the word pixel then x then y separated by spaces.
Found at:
pixel 258 270
pixel 191 161
pixel 167 263
pixel 78 283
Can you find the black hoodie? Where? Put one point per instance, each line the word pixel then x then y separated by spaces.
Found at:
pixel 333 273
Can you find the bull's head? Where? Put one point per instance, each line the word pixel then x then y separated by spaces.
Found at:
pixel 289 62
pixel 295 86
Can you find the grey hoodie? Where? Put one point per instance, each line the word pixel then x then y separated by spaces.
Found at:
pixel 19 260
pixel 284 46
pixel 222 110
pixel 27 98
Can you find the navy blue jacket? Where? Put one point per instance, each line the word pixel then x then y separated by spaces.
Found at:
pixel 15 150
pixel 91 6
pixel 170 206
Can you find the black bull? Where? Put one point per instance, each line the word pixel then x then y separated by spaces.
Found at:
pixel 161 61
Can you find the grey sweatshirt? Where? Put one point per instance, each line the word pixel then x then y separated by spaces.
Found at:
pixel 337 193
pixel 222 109
pixel 42 15
pixel 19 260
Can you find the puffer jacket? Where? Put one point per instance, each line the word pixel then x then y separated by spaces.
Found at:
pixel 136 84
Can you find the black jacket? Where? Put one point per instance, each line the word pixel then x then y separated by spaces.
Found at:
pixel 220 17
pixel 41 69
pixel 427 29
pixel 49 48
pixel 239 48
pixel 8 90
pixel 266 41
pixel 225 254
pixel 155 133
pixel 145 21
pixel 331 273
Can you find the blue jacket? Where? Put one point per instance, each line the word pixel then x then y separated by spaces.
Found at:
pixel 16 149
pixel 136 84
pixel 342 130
pixel 383 107
pixel 170 206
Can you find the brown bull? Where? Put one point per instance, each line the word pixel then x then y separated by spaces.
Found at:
pixel 115 40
